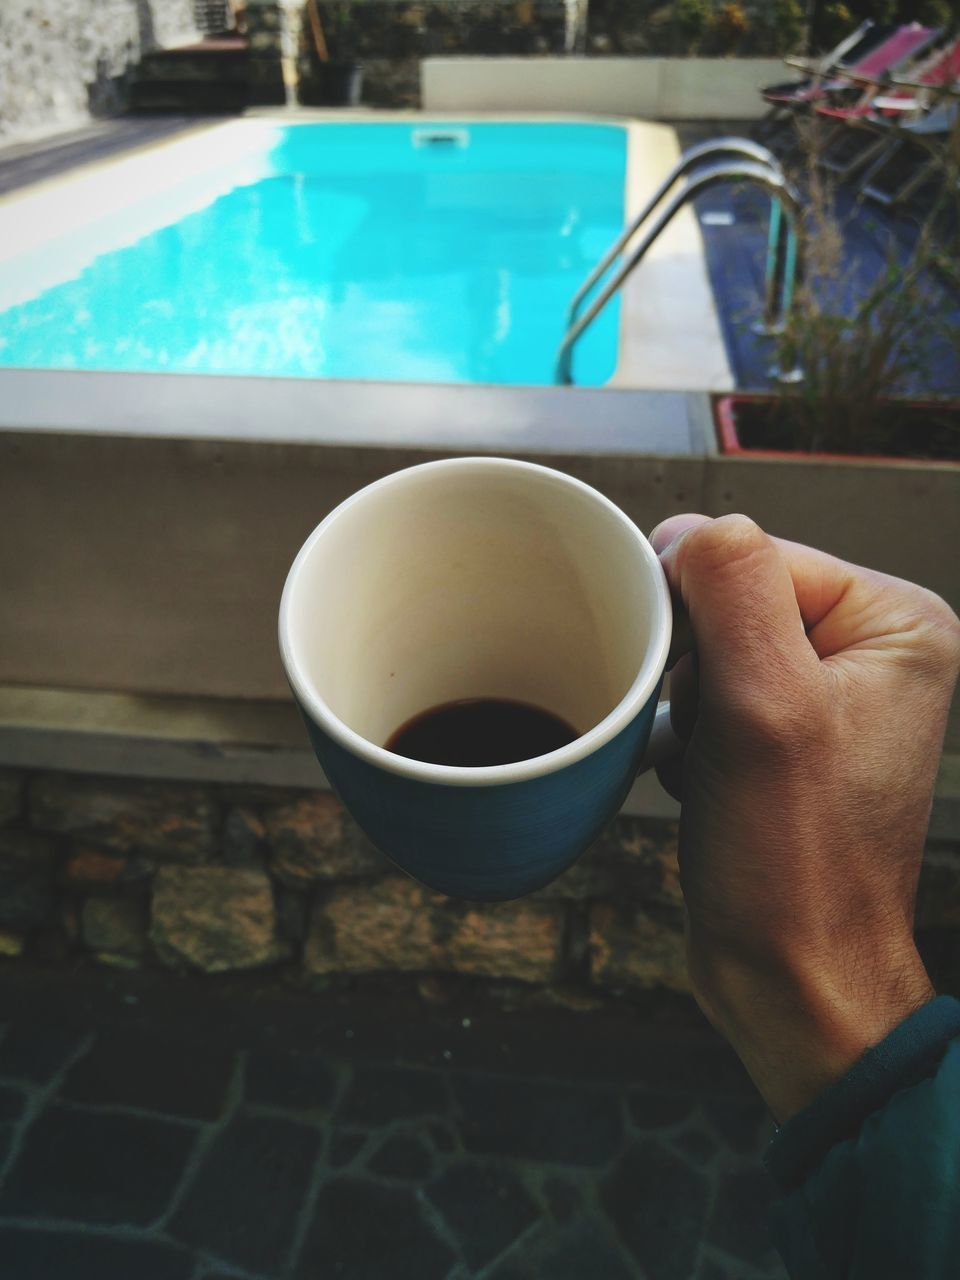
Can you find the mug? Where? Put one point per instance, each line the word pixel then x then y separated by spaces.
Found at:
pixel 479 578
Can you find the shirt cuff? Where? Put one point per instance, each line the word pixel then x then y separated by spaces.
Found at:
pixel 909 1054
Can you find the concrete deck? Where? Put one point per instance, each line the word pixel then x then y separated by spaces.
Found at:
pixel 24 163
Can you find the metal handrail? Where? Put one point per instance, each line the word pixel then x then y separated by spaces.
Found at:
pixel 779 290
pixel 690 158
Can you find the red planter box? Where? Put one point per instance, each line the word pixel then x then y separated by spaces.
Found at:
pixel 725 418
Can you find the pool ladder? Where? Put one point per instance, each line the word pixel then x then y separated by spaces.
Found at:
pixel 746 161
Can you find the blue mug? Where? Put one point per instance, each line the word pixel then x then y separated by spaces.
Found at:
pixel 479 578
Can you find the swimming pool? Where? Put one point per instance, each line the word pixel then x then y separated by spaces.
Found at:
pixel 432 252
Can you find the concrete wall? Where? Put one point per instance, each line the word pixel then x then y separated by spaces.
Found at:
pixel 658 88
pixel 63 61
pixel 156 565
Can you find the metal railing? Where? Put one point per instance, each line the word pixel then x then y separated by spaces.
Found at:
pixel 753 164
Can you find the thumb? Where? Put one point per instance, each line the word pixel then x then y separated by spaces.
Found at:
pixel 735 584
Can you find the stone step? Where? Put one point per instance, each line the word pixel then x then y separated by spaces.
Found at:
pixel 228 66
pixel 189 95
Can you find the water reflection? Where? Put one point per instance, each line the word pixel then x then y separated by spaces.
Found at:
pixel 346 269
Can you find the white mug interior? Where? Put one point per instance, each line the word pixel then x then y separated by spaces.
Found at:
pixel 473 578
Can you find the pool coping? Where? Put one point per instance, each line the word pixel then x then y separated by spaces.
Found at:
pixel 458 416
pixel 247 743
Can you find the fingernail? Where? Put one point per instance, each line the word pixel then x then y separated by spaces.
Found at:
pixel 660 538
pixel 668 531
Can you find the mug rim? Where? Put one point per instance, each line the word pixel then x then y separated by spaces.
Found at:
pixel 644 683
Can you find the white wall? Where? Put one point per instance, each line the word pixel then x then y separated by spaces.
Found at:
pixel 657 88
pixel 53 51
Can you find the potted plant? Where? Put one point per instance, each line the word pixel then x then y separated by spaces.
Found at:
pixel 330 74
pixel 860 354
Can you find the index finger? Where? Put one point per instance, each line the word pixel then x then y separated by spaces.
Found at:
pixel 821 584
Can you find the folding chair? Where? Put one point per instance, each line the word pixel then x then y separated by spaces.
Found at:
pixel 781 97
pixel 887 104
pixel 890 105
pixel 878 60
pixel 928 132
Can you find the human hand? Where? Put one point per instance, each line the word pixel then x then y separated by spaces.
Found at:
pixel 813 704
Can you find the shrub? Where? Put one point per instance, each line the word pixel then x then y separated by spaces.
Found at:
pixel 859 348
pixel 834 20
pixel 781 26
pixel 727 29
pixel 692 18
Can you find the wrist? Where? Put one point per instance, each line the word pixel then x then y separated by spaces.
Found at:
pixel 799 1030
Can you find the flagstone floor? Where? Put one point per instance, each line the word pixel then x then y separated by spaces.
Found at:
pixel 177 1130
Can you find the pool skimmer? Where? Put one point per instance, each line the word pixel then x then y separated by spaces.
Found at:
pixel 458 138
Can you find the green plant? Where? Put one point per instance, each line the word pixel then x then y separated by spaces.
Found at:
pixel 858 349
pixel 727 28
pixel 933 13
pixel 731 27
pixel 833 20
pixel 328 31
pixel 732 18
pixel 780 26
pixel 691 18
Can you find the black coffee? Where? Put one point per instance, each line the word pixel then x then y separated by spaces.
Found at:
pixel 480 731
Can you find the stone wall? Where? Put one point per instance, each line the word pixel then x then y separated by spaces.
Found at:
pixel 390 37
pixel 215 878
pixel 64 61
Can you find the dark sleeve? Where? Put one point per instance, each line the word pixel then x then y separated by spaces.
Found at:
pixel 869 1174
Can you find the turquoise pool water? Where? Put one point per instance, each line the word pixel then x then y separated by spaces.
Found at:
pixel 433 252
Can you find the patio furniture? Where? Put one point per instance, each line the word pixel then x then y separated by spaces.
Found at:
pixel 852 46
pixel 930 132
pixel 881 59
pixel 887 104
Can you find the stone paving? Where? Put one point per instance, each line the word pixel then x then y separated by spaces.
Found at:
pixel 232 1133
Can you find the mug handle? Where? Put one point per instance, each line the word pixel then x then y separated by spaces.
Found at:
pixel 663 742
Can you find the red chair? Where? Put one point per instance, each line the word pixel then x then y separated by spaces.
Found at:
pixel 887 102
pixel 852 47
pixel 891 53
